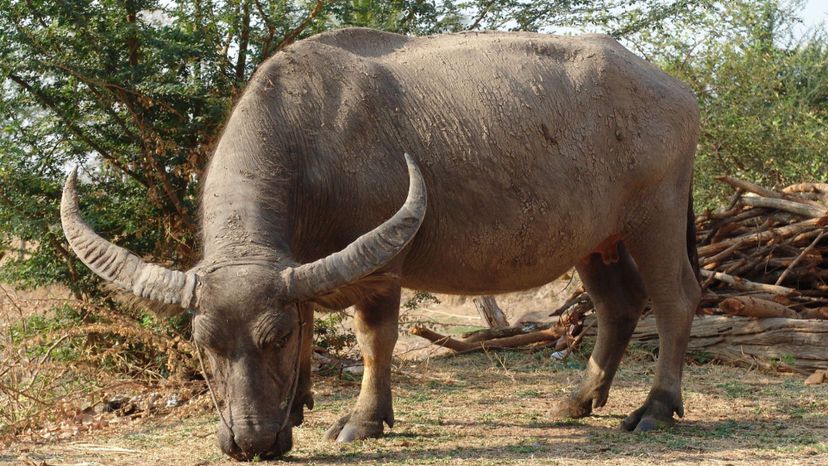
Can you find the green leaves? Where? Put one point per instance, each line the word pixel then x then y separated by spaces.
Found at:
pixel 763 97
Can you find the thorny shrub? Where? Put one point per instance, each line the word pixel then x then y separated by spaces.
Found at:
pixel 417 300
pixel 331 335
pixel 76 353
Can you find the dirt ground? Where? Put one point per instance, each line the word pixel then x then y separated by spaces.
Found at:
pixel 492 409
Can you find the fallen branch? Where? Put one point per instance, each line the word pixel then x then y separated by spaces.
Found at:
pixel 799 258
pixel 749 187
pixel 493 333
pixel 546 335
pixel 806 188
pixel 747 285
pixel 798 208
pixel 755 238
pixel 749 306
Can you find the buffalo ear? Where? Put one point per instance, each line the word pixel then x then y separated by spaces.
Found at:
pixel 361 291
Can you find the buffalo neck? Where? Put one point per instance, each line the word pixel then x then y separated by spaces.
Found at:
pixel 248 188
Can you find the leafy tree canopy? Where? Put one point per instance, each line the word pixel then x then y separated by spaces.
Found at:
pixel 135 93
pixel 762 88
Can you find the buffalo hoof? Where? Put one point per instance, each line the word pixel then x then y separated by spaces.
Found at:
pixel 347 430
pixel 571 408
pixel 656 414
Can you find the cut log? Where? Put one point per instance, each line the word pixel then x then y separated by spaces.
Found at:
pixel 749 306
pixel 776 343
pixel 490 311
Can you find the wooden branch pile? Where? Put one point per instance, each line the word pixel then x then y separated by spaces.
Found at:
pixel 764 256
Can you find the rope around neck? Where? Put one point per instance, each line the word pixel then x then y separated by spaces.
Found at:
pixel 297 368
pixel 210 389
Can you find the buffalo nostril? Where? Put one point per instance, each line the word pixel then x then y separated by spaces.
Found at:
pixel 228 445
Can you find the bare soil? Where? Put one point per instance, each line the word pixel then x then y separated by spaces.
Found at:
pixel 492 409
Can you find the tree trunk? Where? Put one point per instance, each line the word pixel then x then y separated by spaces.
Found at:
pixel 244 42
pixel 490 311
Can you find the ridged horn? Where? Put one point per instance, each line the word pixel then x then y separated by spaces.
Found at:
pixel 367 253
pixel 117 265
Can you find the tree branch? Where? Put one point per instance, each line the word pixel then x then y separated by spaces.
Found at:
pixel 70 264
pixel 75 129
pixel 291 36
pixel 271 30
pixel 483 12
pixel 244 41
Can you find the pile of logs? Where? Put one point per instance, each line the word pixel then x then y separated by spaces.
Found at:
pixel 766 254
pixel 764 271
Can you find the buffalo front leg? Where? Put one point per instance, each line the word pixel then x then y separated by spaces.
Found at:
pixel 618 294
pixel 375 324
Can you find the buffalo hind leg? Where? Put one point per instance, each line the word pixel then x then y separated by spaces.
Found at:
pixel 375 324
pixel 618 294
pixel 674 290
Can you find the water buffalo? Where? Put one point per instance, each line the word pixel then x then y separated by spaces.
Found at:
pixel 538 153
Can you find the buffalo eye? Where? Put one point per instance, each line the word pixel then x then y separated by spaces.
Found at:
pixel 275 339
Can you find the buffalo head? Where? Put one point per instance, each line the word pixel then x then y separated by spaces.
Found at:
pixel 249 316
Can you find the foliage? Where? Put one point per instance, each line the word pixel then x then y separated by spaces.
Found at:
pixel 331 335
pixel 418 299
pixel 763 92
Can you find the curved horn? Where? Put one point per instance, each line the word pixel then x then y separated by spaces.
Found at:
pixel 367 253
pixel 117 265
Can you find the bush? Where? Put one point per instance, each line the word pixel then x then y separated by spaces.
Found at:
pixel 763 93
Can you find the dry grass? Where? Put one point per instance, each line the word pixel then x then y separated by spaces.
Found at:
pixel 492 409
pixel 59 356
